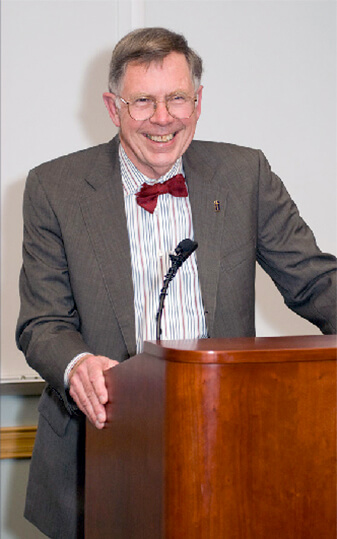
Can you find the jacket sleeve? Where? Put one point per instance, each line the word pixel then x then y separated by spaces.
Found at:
pixel 48 328
pixel 287 251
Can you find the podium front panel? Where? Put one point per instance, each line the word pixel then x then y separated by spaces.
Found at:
pixel 243 447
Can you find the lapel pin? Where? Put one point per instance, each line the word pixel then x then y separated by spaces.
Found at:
pixel 216 205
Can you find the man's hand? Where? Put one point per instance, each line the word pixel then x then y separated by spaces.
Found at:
pixel 88 389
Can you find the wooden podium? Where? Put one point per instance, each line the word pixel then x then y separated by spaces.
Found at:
pixel 217 439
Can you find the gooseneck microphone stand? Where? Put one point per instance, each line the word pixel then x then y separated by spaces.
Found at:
pixel 183 251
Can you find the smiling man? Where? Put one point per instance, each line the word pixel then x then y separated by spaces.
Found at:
pixel 96 250
pixel 157 113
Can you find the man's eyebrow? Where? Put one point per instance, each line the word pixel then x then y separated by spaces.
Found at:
pixel 150 96
pixel 141 94
pixel 178 92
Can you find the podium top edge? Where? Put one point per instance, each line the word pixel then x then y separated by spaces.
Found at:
pixel 246 349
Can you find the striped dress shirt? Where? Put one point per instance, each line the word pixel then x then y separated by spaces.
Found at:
pixel 152 238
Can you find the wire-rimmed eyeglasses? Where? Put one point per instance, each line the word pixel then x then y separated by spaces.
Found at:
pixel 143 108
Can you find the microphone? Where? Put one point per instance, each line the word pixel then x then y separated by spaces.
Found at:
pixel 183 250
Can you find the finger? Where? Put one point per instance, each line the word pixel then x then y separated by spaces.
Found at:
pixel 83 392
pixel 98 381
pixel 88 387
pixel 95 412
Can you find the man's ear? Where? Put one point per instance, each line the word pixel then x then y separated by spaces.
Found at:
pixel 110 103
pixel 198 107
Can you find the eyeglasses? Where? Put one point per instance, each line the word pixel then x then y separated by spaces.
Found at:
pixel 178 106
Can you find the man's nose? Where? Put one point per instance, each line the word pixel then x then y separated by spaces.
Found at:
pixel 161 114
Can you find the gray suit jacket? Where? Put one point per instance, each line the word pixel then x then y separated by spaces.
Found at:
pixel 77 293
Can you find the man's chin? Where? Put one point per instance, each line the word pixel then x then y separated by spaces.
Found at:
pixel 159 164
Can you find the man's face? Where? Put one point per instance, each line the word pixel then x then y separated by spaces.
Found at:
pixel 155 144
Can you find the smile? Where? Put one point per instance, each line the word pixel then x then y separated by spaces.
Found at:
pixel 161 138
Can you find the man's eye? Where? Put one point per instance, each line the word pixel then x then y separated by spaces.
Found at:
pixel 178 99
pixel 142 101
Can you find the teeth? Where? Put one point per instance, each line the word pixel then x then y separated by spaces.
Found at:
pixel 158 138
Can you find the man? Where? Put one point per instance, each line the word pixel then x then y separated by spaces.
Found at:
pixel 95 258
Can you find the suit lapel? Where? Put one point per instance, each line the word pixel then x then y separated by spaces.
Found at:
pixel 205 189
pixel 103 211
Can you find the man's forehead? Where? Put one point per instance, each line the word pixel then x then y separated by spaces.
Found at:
pixel 138 70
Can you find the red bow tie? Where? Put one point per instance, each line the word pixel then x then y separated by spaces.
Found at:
pixel 148 195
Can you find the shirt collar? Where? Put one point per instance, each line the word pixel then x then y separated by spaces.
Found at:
pixel 133 179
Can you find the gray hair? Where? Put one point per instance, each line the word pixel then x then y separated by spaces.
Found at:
pixel 147 45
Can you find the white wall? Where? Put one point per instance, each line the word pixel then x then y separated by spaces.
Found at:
pixel 55 55
pixel 270 82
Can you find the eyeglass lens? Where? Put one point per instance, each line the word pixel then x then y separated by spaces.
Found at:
pixel 179 107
